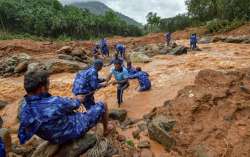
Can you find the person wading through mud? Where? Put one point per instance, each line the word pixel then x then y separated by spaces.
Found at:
pixel 120 50
pixel 55 118
pixel 104 47
pixel 87 82
pixel 121 79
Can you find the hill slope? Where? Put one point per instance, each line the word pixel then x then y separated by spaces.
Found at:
pixel 99 8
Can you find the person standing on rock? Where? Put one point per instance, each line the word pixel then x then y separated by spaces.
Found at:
pixel 55 118
pixel 121 79
pixel 120 49
pixel 168 38
pixel 193 41
pixel 143 78
pixel 104 47
pixel 131 70
pixel 87 82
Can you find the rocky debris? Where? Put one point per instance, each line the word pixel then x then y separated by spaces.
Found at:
pixel 71 149
pixel 21 67
pixel 5 136
pixel 209 114
pixel 14 64
pixel 36 67
pixel 142 126
pixel 3 104
pixel 232 39
pixel 139 57
pixel 118 114
pixel 58 66
pixel 23 151
pixel 121 138
pixel 74 54
pixel 144 144
pixel 159 129
pixel 136 134
pixel 179 50
pixel 206 40
pixel 129 122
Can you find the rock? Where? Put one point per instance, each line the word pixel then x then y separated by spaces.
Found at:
pixel 21 67
pixel 203 151
pixel 65 57
pixel 139 57
pixel 238 39
pixel 164 51
pixel 22 150
pixel 78 52
pixel 144 144
pixel 3 104
pixel 142 126
pixel 121 138
pixel 45 149
pixel 118 114
pixel 65 50
pixel 159 129
pixel 11 154
pixel 146 153
pixel 77 147
pixel 206 40
pixel 58 66
pixel 5 136
pixel 36 67
pixel 179 50
pixel 136 134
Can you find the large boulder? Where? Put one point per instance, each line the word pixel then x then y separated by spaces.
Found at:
pixel 238 39
pixel 58 66
pixel 21 67
pixel 45 149
pixel 159 129
pixel 179 50
pixel 36 67
pixel 139 57
pixel 119 115
pixel 65 57
pixel 206 40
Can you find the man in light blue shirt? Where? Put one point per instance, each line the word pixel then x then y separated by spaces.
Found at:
pixel 121 79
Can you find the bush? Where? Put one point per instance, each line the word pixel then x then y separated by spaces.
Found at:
pixel 217 25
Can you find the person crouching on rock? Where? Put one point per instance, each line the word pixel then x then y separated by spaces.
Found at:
pixel 143 78
pixel 54 118
pixel 121 79
pixel 87 82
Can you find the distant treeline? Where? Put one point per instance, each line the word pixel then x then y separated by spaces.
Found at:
pixel 49 18
pixel 217 15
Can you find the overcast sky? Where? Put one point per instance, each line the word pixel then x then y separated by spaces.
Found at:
pixel 138 9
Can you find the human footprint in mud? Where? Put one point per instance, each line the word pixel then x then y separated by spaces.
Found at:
pixel 121 79
pixel 143 78
pixel 54 118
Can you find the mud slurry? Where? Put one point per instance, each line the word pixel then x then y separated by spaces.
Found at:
pixel 196 131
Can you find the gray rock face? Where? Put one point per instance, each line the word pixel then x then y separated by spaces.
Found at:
pixel 179 50
pixel 139 57
pixel 36 67
pixel 70 149
pixel 206 40
pixel 58 66
pixel 21 67
pixel 119 115
pixel 159 129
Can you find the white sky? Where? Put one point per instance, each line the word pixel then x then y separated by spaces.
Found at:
pixel 138 9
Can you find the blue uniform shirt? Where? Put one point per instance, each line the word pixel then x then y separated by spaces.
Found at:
pixel 120 48
pixel 143 79
pixel 86 81
pixel 193 39
pixel 131 71
pixel 52 118
pixel 119 76
pixel 2 149
pixel 168 36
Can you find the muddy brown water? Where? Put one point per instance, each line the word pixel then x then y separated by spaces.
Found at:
pixel 168 74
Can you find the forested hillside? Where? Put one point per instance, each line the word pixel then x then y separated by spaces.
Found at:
pixel 49 18
pixel 99 8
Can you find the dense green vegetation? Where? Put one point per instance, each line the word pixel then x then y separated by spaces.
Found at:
pixel 48 18
pixel 217 15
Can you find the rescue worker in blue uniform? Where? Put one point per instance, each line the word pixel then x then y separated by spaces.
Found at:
pixel 120 74
pixel 143 78
pixel 193 41
pixel 120 49
pixel 54 118
pixel 168 38
pixel 87 82
pixel 96 51
pixel 104 47
pixel 131 70
pixel 2 149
